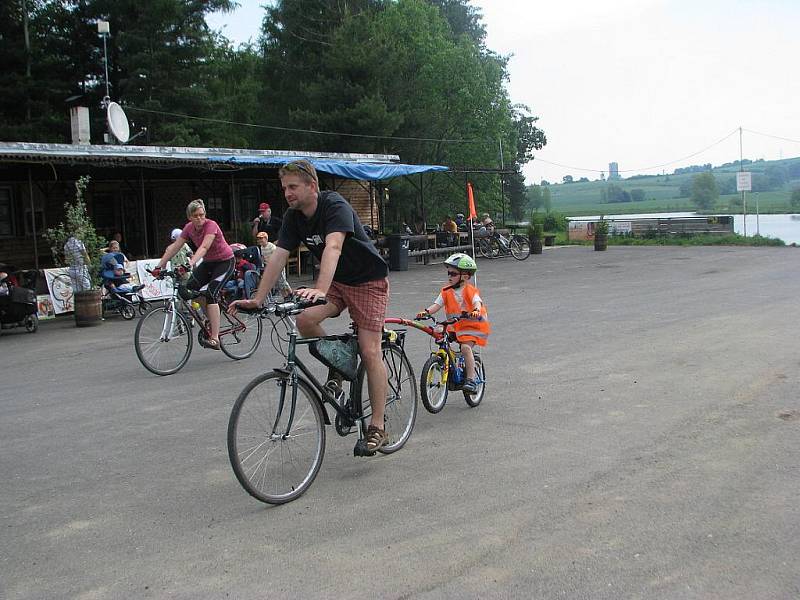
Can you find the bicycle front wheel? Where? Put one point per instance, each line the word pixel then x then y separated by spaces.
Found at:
pixel 433 384
pixel 240 343
pixel 520 247
pixel 401 397
pixel 480 372
pixel 275 445
pixel 163 341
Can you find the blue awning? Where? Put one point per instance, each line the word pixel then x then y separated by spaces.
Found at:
pixel 362 171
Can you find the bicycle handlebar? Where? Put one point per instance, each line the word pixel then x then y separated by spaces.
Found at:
pixel 177 272
pixel 293 306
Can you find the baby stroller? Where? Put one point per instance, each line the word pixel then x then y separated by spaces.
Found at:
pixel 17 305
pixel 120 296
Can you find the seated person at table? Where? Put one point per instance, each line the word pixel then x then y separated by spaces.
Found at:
pixel 449 225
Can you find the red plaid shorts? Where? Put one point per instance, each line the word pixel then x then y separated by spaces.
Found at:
pixel 366 302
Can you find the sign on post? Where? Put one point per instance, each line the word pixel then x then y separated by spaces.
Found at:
pixel 744 181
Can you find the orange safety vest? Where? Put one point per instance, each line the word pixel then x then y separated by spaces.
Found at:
pixel 467 330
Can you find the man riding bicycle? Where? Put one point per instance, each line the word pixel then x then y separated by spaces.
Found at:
pixel 352 275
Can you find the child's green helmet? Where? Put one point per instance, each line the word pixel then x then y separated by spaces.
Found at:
pixel 462 262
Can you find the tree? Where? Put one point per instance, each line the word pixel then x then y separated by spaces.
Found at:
pixel 567 179
pixel 637 195
pixel 535 199
pixel 517 196
pixel 704 191
pixel 546 199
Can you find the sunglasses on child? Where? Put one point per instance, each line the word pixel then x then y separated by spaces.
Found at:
pixel 453 273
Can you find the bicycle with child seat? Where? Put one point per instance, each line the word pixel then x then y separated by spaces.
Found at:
pixel 439 373
pixel 276 431
pixel 163 339
pixel 496 245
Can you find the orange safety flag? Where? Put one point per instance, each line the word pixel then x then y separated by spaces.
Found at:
pixel 472 212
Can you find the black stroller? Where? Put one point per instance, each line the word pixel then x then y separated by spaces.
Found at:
pixel 121 296
pixel 17 306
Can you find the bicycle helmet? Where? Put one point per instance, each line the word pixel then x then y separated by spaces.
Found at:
pixel 176 233
pixel 462 262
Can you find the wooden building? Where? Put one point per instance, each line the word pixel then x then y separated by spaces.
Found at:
pixel 141 192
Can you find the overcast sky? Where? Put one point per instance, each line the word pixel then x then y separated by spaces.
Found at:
pixel 645 83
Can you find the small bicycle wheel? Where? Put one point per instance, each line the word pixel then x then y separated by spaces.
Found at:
pixel 401 397
pixel 163 341
pixel 144 306
pixel 480 372
pixel 127 311
pixel 520 247
pixel 433 384
pixel 31 323
pixel 276 446
pixel 241 343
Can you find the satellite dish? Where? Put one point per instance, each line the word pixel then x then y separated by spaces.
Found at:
pixel 118 122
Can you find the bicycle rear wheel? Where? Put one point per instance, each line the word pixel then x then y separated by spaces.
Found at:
pixel 485 248
pixel 242 343
pixel 520 247
pixel 433 385
pixel 276 452
pixel 480 371
pixel 163 341
pixel 401 397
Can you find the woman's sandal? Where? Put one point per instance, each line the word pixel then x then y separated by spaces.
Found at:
pixel 212 344
pixel 376 439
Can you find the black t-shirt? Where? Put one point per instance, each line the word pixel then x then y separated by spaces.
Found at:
pixel 359 261
pixel 272 227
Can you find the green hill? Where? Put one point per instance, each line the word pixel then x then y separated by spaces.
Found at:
pixel 773 182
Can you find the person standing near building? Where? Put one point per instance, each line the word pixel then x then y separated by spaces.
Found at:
pixel 266 222
pixel 352 275
pixel 78 258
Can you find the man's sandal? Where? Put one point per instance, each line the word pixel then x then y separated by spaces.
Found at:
pixel 376 439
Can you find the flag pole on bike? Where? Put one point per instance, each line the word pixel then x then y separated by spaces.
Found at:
pixel 473 214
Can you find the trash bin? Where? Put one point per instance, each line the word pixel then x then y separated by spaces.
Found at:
pixel 398 252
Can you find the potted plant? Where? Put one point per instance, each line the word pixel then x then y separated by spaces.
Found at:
pixel 601 234
pixel 535 237
pixel 78 229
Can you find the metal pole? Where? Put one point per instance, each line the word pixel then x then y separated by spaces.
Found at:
pixel 144 213
pixel 33 221
pixel 744 199
pixel 758 228
pixel 105 63
pixel 502 190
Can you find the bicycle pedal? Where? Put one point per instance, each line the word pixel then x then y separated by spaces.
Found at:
pixel 360 449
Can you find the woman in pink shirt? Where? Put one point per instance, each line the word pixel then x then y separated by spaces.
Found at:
pixel 208 277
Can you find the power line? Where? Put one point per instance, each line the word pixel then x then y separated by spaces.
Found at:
pixel 777 137
pixel 294 130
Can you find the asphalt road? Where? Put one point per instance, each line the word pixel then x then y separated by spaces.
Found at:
pixel 638 439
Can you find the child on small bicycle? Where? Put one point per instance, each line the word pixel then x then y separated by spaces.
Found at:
pixel 458 297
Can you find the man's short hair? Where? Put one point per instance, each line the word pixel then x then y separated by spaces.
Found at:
pixel 300 167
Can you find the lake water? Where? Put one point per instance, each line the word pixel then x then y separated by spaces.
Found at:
pixel 785 227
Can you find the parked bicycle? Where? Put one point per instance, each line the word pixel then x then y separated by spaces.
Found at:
pixel 444 371
pixel 276 431
pixel 163 339
pixel 497 245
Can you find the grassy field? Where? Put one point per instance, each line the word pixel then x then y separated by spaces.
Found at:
pixel 662 194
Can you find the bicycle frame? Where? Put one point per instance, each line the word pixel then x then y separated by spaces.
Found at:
pixel 441 337
pixel 294 366
pixel 176 302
